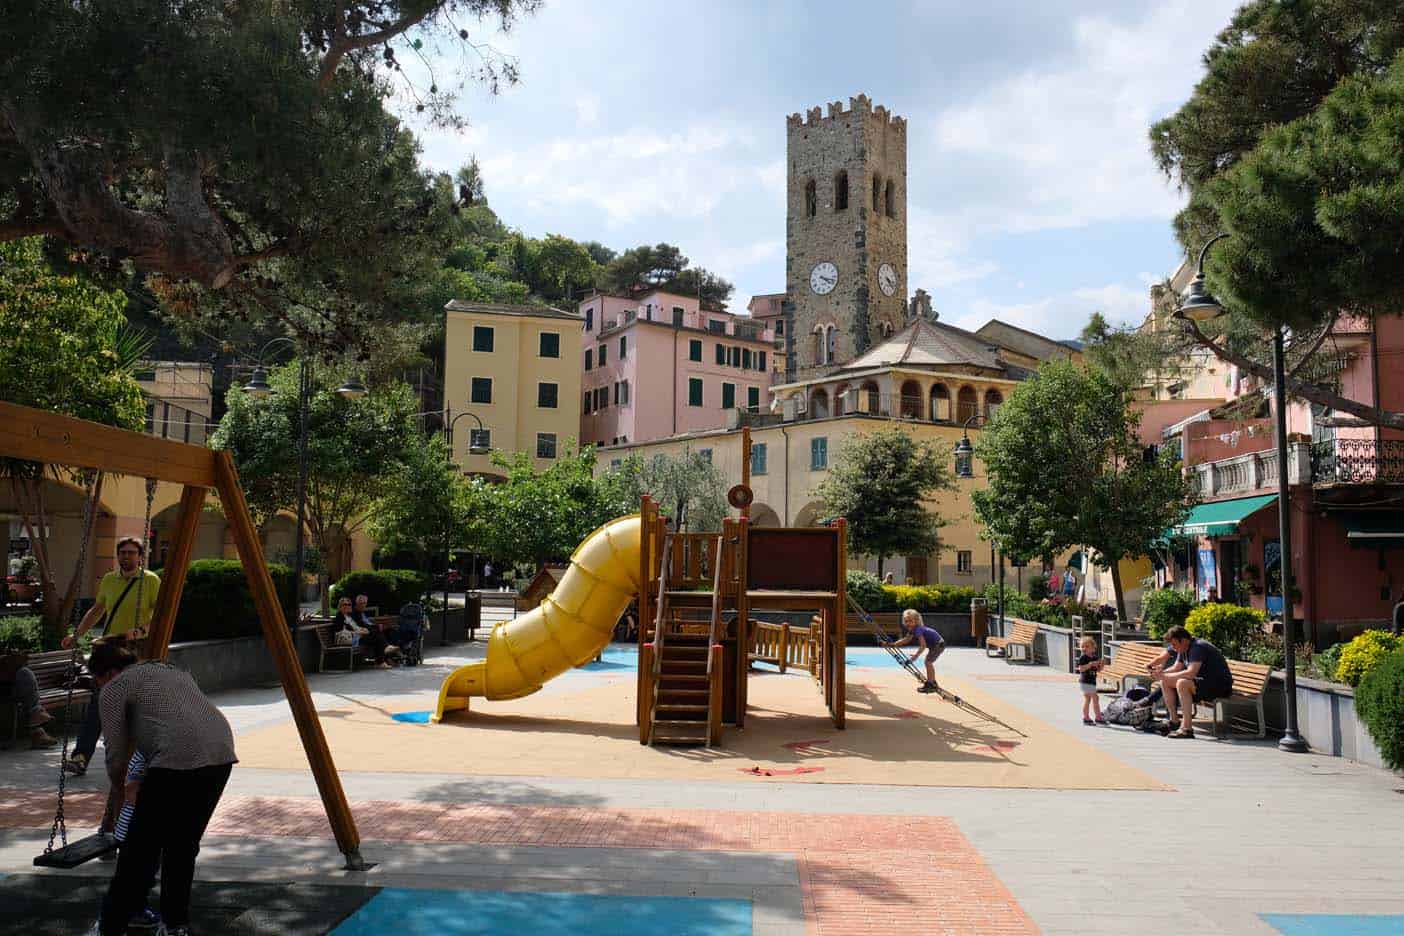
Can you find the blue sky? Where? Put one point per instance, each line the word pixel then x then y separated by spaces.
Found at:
pixel 1032 194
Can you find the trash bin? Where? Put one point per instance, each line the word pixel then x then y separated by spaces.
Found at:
pixel 979 620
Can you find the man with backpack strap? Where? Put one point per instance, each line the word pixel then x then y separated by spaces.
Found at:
pixel 126 600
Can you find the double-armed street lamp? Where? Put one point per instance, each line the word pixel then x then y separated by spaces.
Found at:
pixel 1198 305
pixel 259 388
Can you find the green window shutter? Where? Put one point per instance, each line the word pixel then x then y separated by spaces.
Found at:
pixel 728 395
pixel 694 391
pixel 482 338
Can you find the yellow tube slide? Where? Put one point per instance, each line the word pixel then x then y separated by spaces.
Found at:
pixel 571 626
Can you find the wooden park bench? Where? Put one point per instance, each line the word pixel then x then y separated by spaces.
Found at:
pixel 1021 634
pixel 325 629
pixel 51 672
pixel 1250 682
pixel 1129 666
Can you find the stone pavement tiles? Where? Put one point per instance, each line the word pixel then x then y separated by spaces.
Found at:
pixel 857 875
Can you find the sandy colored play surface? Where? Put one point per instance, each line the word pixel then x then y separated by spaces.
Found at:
pixel 582 727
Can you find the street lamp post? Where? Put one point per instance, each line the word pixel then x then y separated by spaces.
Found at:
pixel 449 421
pixel 259 388
pixel 1198 305
pixel 965 468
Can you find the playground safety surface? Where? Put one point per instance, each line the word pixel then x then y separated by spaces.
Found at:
pixel 584 728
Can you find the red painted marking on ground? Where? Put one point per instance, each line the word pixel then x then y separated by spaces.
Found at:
pixel 854 870
pixel 803 745
pixel 778 771
pixel 907 713
pixel 999 747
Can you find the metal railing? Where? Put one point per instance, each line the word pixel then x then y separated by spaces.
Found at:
pixel 1358 461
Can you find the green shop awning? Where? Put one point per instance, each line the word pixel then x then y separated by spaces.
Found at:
pixel 1385 528
pixel 1221 517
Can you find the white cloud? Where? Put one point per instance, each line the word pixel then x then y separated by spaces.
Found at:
pixel 587 110
pixel 623 176
pixel 937 253
pixel 1066 145
pixel 1061 316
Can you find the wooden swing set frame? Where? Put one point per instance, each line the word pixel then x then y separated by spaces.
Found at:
pixel 51 438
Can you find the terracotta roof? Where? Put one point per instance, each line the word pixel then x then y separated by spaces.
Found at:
pixel 932 344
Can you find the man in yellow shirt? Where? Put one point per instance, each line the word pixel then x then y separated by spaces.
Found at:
pixel 125 601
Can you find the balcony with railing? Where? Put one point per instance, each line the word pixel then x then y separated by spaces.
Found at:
pixel 1357 461
pixel 1253 473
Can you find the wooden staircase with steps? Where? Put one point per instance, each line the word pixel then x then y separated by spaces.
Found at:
pixel 682 698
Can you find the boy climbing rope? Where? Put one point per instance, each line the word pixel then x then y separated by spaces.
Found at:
pixel 927 639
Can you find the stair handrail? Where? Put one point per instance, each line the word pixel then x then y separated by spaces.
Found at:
pixel 658 631
pixel 715 635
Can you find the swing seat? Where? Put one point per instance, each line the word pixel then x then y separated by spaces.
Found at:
pixel 80 851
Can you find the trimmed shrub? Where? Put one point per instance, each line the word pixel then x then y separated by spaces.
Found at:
pixel 1324 664
pixel 386 589
pixel 866 589
pixel 21 634
pixel 1380 701
pixel 1226 626
pixel 1165 608
pixel 931 599
pixel 1364 653
pixel 216 602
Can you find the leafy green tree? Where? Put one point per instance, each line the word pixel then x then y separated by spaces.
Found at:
pixel 423 504
pixel 249 164
pixel 1291 143
pixel 557 268
pixel 688 488
pixel 880 483
pixel 65 347
pixel 354 448
pixel 1065 468
pixel 535 516
pixel 662 266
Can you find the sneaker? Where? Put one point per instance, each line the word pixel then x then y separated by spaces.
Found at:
pixel 76 766
pixel 1087 721
pixel 927 687
pixel 1100 720
pixel 147 919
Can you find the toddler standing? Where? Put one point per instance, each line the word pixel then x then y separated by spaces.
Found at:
pixel 1088 663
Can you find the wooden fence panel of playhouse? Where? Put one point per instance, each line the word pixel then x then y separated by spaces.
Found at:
pixel 785 646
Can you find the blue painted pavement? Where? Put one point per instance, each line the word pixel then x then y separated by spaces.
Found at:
pixel 1334 924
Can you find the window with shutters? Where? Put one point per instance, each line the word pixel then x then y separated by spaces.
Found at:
pixel 694 391
pixel 758 458
pixel 753 399
pixel 545 445
pixel 721 354
pixel 482 338
pixel 694 349
pixel 728 395
pixel 550 345
pixel 546 395
pixel 818 453
pixel 480 390
pixel 589 358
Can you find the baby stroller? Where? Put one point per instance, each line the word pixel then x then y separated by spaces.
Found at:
pixel 409 634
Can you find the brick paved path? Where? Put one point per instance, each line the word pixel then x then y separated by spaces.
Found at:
pixel 861 875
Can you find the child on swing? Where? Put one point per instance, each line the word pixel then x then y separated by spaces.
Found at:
pixel 928 641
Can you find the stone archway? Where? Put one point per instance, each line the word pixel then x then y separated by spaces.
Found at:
pixel 819 403
pixel 910 400
pixel 967 404
pixel 810 514
pixel 209 535
pixel 762 515
pixel 870 398
pixel 940 403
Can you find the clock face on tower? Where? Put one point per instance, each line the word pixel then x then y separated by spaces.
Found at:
pixel 887 279
pixel 823 278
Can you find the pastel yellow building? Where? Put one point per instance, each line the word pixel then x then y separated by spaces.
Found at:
pixel 516 368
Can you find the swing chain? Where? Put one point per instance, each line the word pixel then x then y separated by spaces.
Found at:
pixel 59 829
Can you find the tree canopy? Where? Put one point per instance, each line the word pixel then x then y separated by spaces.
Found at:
pixel 689 489
pixel 423 502
pixel 879 482
pixel 663 266
pixel 1292 143
pixel 247 161
pixel 1065 469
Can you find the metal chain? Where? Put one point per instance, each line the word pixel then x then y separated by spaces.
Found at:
pixel 145 550
pixel 59 829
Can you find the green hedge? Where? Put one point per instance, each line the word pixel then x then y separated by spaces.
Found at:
pixel 874 597
pixel 1380 701
pixel 1226 626
pixel 386 589
pixel 1367 651
pixel 21 634
pixel 1165 608
pixel 216 602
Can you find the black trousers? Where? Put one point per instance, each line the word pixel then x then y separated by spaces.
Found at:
pixel 91 728
pixel 172 810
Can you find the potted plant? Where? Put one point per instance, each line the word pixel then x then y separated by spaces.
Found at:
pixel 19 637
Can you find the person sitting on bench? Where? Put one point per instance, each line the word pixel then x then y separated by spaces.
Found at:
pixel 927 639
pixel 21 686
pixel 1199 674
pixel 368 641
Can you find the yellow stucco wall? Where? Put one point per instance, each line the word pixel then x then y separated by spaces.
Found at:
pixel 515 368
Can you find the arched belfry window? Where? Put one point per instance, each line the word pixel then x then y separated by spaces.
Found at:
pixel 877 193
pixel 829 345
pixel 811 199
pixel 841 191
pixel 891 200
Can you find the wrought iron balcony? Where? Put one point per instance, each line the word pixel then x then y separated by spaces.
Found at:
pixel 1358 461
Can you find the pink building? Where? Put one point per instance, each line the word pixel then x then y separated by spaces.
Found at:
pixel 1345 481
pixel 655 365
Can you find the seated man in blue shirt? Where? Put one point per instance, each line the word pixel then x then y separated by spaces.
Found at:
pixel 1199 674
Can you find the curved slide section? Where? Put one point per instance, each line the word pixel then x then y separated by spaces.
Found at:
pixel 569 629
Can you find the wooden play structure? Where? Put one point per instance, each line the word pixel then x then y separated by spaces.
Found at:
pixel 697 636
pixel 53 439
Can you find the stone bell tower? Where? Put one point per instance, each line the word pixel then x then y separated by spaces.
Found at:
pixel 845 231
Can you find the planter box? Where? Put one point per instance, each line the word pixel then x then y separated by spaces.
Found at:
pixel 235 663
pixel 1325 717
